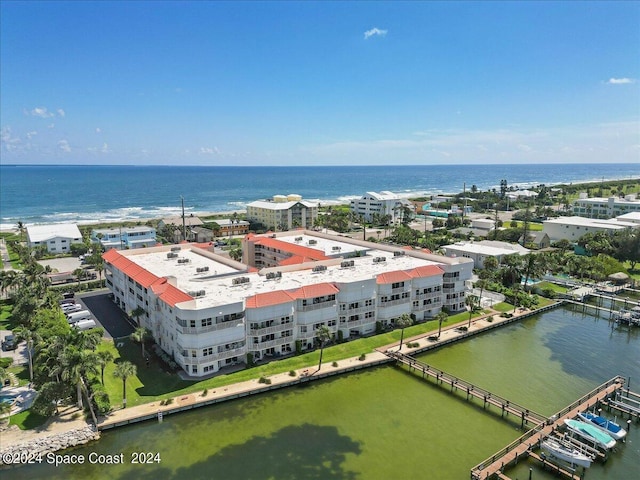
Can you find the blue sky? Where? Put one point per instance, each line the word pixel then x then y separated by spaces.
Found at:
pixel 314 83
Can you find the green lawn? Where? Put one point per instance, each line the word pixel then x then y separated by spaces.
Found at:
pixel 27 420
pixel 6 321
pixel 551 286
pixel 155 382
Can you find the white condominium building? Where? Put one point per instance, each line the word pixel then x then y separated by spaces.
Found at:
pixel 283 212
pixel 207 311
pixel 605 207
pixel 378 203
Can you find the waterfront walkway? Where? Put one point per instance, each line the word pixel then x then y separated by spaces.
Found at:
pixel 154 410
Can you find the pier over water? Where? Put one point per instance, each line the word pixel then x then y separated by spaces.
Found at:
pixel 542 427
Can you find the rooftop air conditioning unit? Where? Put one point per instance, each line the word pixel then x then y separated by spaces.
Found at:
pixel 176 249
pixel 313 242
pixel 398 254
pixel 319 268
pixel 347 263
pixel 172 255
pixel 379 259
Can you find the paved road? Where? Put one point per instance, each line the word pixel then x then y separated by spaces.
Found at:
pixel 106 313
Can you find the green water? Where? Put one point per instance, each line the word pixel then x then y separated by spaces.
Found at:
pixel 385 422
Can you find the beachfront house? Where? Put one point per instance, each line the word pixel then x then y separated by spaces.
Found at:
pixel 124 237
pixel 208 312
pixel 56 237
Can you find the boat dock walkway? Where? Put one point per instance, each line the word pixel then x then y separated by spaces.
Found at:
pixel 524 446
pixel 626 402
pixel 505 406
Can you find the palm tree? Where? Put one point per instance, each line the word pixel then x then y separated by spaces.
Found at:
pixel 79 273
pixel 137 313
pixel 140 335
pixel 23 333
pixel 473 302
pixel 125 370
pixel 76 364
pixel 104 357
pixel 441 317
pixel 236 254
pixel 323 334
pixel 403 322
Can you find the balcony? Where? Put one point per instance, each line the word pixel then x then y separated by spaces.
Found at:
pixel 317 306
pixel 271 343
pixel 273 329
pixel 202 359
pixel 392 303
pixel 210 328
pixel 358 323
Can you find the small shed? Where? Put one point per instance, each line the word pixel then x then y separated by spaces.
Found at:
pixel 619 278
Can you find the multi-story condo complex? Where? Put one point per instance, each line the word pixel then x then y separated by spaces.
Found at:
pixel 124 237
pixel 381 204
pixel 283 212
pixel 605 207
pixel 57 238
pixel 207 311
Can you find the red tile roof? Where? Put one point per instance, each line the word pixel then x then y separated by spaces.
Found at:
pixel 159 285
pixel 292 248
pixel 393 277
pixel 426 271
pixel 268 299
pixel 317 290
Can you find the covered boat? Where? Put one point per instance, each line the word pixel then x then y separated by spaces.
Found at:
pixel 607 426
pixel 590 432
pixel 565 452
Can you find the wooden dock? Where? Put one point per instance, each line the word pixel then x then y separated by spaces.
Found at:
pixel 524 446
pixel 505 406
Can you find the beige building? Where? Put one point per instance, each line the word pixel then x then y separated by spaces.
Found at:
pixel 283 212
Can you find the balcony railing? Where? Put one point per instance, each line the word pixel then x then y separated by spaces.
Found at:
pixel 392 303
pixel 358 323
pixel 273 329
pixel 211 328
pixel 202 359
pixel 317 306
pixel 271 343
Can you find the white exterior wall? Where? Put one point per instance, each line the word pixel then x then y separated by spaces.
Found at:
pixel 276 320
pixel 357 299
pixel 426 297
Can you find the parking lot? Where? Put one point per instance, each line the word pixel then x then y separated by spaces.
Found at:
pixel 106 313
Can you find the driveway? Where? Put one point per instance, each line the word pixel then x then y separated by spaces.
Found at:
pixel 19 355
pixel 107 314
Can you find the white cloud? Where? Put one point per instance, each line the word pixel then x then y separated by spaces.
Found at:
pixel 41 112
pixel 621 81
pixel 60 112
pixel 105 148
pixel 374 32
pixel 63 145
pixel 98 130
pixel 51 125
pixel 31 134
pixel 209 151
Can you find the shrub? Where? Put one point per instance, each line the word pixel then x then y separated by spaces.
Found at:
pixel 5 362
pixel 490 318
pixel 205 392
pixel 265 380
pixel 334 364
pixel 362 357
pixel 292 373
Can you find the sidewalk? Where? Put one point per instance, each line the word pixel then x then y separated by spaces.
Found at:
pixel 70 420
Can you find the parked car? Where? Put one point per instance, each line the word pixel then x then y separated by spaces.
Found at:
pixel 70 308
pixel 9 342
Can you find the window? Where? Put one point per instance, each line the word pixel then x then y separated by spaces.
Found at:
pixel 206 322
pixel 207 351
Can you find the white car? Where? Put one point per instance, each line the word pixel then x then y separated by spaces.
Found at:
pixel 76 307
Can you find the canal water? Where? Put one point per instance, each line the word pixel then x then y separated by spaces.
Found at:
pixel 385 422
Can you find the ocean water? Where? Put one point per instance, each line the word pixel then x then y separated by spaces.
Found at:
pixel 83 194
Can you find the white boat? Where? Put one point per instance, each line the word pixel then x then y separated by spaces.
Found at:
pixel 607 426
pixel 592 433
pixel 568 453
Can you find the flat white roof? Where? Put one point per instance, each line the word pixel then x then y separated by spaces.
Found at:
pixel 41 233
pixel 330 247
pixel 613 223
pixel 280 205
pixel 217 282
pixel 118 230
pixel 486 249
